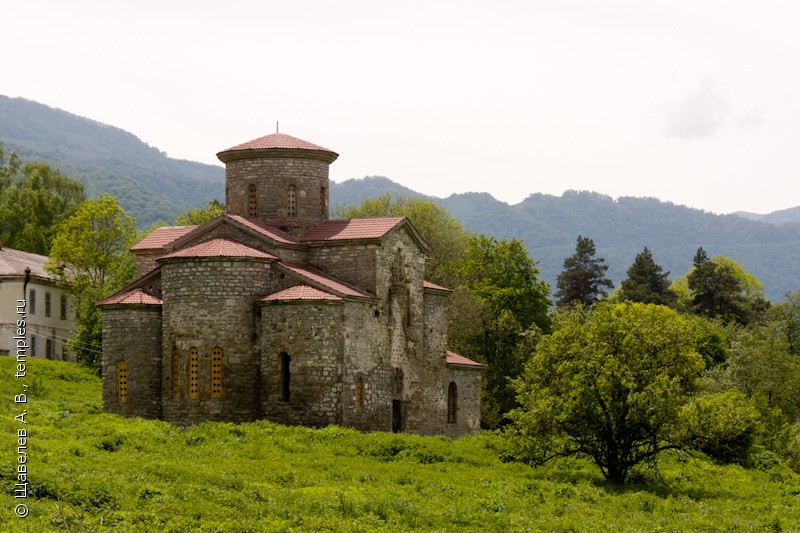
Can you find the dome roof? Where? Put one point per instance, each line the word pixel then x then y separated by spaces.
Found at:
pixel 279 142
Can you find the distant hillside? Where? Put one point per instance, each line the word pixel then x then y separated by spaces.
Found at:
pixel 549 226
pixel 152 186
pixel 148 184
pixel 784 216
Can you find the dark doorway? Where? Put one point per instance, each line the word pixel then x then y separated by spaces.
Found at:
pixel 397 416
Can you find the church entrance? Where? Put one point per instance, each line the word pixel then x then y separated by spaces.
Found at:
pixel 397 416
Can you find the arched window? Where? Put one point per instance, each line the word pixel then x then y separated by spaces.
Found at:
pixel 286 376
pixel 253 201
pixel 122 382
pixel 323 202
pixel 291 201
pixel 216 372
pixel 194 373
pixel 452 403
pixel 176 373
pixel 360 392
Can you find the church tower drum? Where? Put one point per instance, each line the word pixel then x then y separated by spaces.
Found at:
pixel 277 178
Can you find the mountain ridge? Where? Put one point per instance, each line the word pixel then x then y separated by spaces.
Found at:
pixel 152 187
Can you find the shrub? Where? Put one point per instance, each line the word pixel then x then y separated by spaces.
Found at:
pixel 723 426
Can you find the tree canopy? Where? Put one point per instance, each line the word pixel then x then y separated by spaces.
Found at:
pixel 720 288
pixel 583 278
pixel 34 199
pixel 647 282
pixel 91 253
pixel 201 215
pixel 608 383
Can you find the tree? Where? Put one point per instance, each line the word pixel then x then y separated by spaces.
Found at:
pixel 34 199
pixel 583 277
pixel 647 282
pixel 511 304
pixel 608 383
pixel 91 255
pixel 445 235
pixel 197 217
pixel 720 287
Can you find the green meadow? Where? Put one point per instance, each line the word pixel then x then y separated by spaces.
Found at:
pixel 90 471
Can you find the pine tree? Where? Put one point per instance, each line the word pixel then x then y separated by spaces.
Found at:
pixel 647 282
pixel 583 277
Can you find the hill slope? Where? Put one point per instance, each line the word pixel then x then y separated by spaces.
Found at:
pixel 621 228
pixel 148 184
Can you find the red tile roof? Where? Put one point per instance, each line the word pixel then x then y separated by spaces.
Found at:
pixel 356 228
pixel 460 360
pixel 435 287
pixel 136 296
pixel 320 278
pixel 279 141
pixel 299 292
pixel 221 248
pixel 161 237
pixel 265 229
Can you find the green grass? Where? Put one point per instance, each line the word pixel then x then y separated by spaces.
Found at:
pixel 101 472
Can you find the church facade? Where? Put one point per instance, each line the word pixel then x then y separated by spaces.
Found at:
pixel 273 311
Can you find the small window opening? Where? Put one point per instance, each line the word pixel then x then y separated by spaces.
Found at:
pixel 194 373
pixel 176 373
pixel 122 382
pixel 452 403
pixel 216 372
pixel 286 377
pixel 253 201
pixel 48 348
pixel 47 304
pixel 323 202
pixel 291 201
pixel 63 307
pixel 32 301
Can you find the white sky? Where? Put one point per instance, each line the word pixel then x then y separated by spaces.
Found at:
pixel 691 101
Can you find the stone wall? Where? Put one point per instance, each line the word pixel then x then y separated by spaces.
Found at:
pixel 468 411
pixel 306 335
pixel 272 176
pixel 353 263
pixel 367 375
pixel 210 303
pixel 132 333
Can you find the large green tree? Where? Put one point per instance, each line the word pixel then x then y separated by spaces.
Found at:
pixel 721 288
pixel 445 235
pixel 34 199
pixel 608 383
pixel 647 282
pixel 509 304
pixel 583 278
pixel 91 255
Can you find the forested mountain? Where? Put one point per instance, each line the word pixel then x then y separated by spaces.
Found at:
pixel 621 228
pixel 152 186
pixel 148 184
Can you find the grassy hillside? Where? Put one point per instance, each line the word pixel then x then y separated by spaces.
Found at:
pixel 107 473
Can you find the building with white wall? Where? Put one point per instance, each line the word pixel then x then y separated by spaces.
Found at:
pixel 49 312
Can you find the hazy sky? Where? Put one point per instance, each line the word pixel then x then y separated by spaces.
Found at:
pixel 691 101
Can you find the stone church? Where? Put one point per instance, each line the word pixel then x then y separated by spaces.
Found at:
pixel 273 311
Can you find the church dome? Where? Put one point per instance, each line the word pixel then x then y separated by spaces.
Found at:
pixel 275 144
